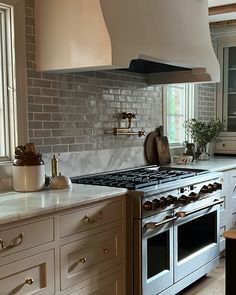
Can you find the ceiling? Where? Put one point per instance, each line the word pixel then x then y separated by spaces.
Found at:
pixel 213 3
pixel 222 12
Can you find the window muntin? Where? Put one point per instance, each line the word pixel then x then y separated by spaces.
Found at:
pixel 178 107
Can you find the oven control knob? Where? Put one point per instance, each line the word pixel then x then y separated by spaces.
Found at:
pixel 217 186
pixel 156 204
pixel 210 188
pixel 171 199
pixel 159 203
pixel 204 189
pixel 183 200
pixel 193 196
pixel 163 202
pixel 148 206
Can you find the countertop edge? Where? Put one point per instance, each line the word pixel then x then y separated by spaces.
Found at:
pixel 29 205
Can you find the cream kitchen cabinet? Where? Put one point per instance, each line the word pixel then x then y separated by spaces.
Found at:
pixel 31 275
pixel 228 208
pixel 226 90
pixel 27 267
pixel 231 219
pixel 224 208
pixel 80 251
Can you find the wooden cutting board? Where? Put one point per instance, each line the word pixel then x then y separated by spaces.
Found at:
pixel 150 148
pixel 162 148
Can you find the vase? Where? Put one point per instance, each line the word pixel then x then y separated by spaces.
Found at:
pixel 202 152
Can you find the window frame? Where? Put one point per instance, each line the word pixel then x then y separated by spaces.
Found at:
pixel 190 108
pixel 17 132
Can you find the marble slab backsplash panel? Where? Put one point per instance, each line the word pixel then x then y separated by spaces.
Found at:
pixel 98 161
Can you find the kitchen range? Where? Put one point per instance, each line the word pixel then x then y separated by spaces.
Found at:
pixel 172 225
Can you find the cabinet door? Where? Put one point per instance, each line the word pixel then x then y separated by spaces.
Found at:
pixel 111 285
pixel 232 195
pixel 26 236
pixel 88 257
pixel 32 275
pixel 226 104
pixel 90 217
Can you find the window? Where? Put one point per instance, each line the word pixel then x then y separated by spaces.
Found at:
pixel 178 107
pixel 13 95
pixel 7 83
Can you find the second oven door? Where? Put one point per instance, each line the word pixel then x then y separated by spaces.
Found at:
pixel 196 239
pixel 157 255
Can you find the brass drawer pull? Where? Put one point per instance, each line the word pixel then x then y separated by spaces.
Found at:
pixel 106 251
pixel 94 219
pixel 29 281
pixel 83 259
pixel 14 243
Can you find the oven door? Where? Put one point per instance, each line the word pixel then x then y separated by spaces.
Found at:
pixel 153 263
pixel 196 237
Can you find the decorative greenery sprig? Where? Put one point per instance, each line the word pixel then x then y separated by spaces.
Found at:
pixel 203 132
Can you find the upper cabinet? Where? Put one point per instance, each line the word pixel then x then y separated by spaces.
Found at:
pixel 226 89
pixel 227 93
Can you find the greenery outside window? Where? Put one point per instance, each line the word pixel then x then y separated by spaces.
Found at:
pixel 178 106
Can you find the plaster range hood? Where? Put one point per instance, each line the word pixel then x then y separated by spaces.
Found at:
pixel 169 40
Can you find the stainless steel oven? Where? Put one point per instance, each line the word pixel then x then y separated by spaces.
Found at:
pixel 196 236
pixel 171 245
pixel 172 225
pixel 154 253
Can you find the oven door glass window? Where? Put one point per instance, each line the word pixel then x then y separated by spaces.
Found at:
pixel 197 234
pixel 158 254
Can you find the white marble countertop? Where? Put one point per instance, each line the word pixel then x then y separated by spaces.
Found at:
pixel 218 163
pixel 15 206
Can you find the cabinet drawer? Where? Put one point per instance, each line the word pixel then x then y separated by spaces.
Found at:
pixel 91 217
pixel 27 236
pixel 32 275
pixel 88 257
pixel 111 285
pixel 225 146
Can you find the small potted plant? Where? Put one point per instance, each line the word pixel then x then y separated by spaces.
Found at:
pixel 202 133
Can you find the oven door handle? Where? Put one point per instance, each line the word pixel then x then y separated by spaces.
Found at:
pixel 154 225
pixel 184 213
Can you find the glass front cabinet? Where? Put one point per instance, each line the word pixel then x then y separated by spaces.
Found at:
pixel 226 97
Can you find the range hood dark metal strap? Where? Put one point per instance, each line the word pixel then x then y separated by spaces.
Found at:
pixel 154 225
pixel 184 214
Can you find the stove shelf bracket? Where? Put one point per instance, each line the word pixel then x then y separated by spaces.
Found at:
pixel 128 131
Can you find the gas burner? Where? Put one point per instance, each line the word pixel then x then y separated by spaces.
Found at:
pixel 138 178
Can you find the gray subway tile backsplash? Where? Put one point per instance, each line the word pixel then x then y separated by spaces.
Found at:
pixel 77 112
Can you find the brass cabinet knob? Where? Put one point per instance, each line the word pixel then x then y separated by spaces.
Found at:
pixel 106 251
pixel 83 259
pixel 29 281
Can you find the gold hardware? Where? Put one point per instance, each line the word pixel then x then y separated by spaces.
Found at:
pixel 127 131
pixel 83 259
pixel 29 281
pixel 91 220
pixel 106 251
pixel 14 243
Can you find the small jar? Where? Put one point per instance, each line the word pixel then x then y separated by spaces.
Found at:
pixel 190 150
pixel 28 173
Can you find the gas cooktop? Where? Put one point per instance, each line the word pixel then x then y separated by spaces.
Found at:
pixel 137 178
